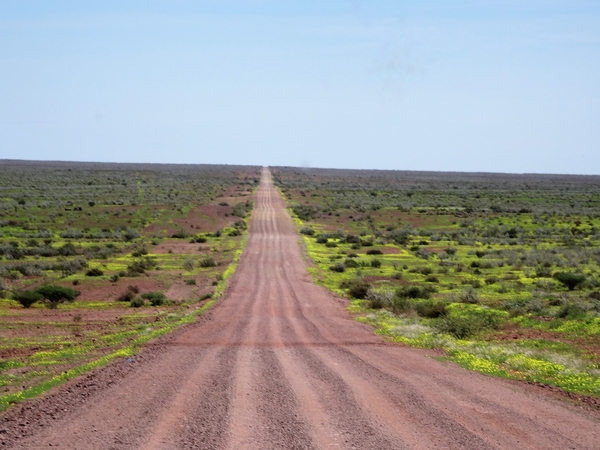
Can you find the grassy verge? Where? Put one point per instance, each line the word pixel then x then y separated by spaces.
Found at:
pixel 539 360
pixel 139 250
pixel 405 303
pixel 123 352
pixel 128 342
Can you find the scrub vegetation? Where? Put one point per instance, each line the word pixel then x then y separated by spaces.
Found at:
pixel 500 271
pixel 96 259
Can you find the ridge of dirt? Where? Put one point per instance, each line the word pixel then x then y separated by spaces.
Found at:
pixel 279 363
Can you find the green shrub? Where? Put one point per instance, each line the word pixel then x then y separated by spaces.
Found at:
pixel 321 239
pixel 536 306
pixel 380 298
pixel 509 305
pixel 375 263
pixel 155 298
pixel 304 213
pixel 54 295
pixel 357 288
pixel 458 327
pixel 400 305
pixel 352 239
pixel 207 262
pixel 27 298
pixel 374 251
pixel 570 279
pixel 469 295
pixel 140 266
pixel 432 279
pixel 516 308
pixel 338 267
pixel 331 244
pixel 491 280
pixel 571 311
pixel 543 272
pixel 126 296
pixel 136 302
pixel 67 250
pixel 368 242
pixel 129 294
pixel 350 263
pixel 307 231
pixel 414 292
pixel 139 252
pixel 430 308
pixel 465 320
pixel 424 270
pixel 130 235
pixel 400 237
pixel 95 272
pixel 423 253
pixel 241 209
pixel 558 300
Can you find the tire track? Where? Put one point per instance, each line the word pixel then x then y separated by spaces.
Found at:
pixel 348 419
pixel 264 413
pixel 208 385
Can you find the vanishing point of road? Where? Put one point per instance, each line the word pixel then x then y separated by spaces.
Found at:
pixel 279 364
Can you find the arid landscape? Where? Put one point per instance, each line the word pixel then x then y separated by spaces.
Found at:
pixel 277 361
pixel 142 249
pixel 299 225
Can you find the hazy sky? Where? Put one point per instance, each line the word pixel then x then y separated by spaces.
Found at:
pixel 480 85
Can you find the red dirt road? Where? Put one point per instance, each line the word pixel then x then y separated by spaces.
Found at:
pixel 278 364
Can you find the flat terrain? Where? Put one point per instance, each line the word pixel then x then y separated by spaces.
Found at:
pixel 500 272
pixel 146 247
pixel 279 363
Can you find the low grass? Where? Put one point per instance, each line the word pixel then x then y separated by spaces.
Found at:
pixel 138 338
pixel 71 357
pixel 539 360
pixel 497 301
pixel 122 238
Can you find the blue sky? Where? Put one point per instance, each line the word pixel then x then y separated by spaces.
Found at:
pixel 488 85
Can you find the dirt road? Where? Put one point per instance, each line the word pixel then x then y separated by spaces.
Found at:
pixel 278 364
